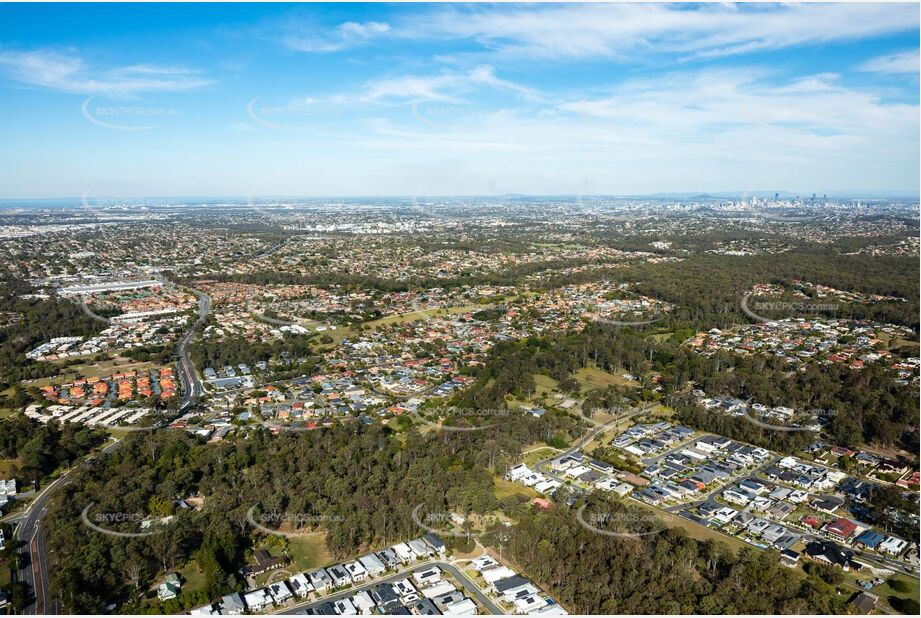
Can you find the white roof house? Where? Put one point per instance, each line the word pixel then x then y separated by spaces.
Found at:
pixel 403 552
pixel 497 573
pixel 483 562
pixel 372 564
pixel 405 590
pixel 257 600
pixel 438 589
pixel 300 585
pixel 356 570
pixel 893 545
pixel 280 592
pixel 364 603
pixel 528 604
pixel 426 576
pixel 345 608
pixel 461 608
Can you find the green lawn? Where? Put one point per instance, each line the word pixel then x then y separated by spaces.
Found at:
pixel 308 551
pixel 544 385
pixel 505 488
pixel 885 590
pixel 192 578
pixel 423 314
pixel 537 455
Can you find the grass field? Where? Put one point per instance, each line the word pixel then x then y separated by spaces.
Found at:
pixel 423 314
pixel 192 578
pixel 537 455
pixel 7 468
pixel 591 378
pixel 309 551
pixel 505 488
pixel 695 531
pixel 544 385
pixel 885 590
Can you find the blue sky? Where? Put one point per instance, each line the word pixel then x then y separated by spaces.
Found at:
pixel 434 99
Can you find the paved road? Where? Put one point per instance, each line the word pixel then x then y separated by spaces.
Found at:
pixel 93 314
pixel 591 435
pixel 192 386
pixel 470 587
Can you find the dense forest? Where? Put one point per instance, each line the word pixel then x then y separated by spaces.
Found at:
pixel 235 350
pixel 865 406
pixel 707 290
pixel 41 448
pixel 660 573
pixel 359 481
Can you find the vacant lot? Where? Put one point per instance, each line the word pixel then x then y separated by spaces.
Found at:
pixel 591 378
pixel 308 551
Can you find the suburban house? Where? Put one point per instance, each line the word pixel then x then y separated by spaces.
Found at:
pixel 280 592
pixel 389 558
pixel 233 604
pixel 356 571
pixel 300 585
pixel 893 545
pixel 340 575
pixel 841 529
pixel 832 554
pixel 403 552
pixel 434 542
pixel 320 579
pixel 373 566
pixel 170 588
pixel 257 600
pixel 420 548
pixel 265 562
pixel 429 575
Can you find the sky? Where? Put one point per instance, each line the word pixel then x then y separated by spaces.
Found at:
pixel 458 99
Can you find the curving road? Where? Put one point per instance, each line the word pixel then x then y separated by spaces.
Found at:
pixel 192 387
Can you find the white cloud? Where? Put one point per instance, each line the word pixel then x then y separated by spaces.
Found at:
pixel 901 62
pixel 447 86
pixel 739 108
pixel 342 37
pixel 70 73
pixel 709 130
pixel 621 30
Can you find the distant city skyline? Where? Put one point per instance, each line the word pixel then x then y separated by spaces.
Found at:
pixel 458 100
